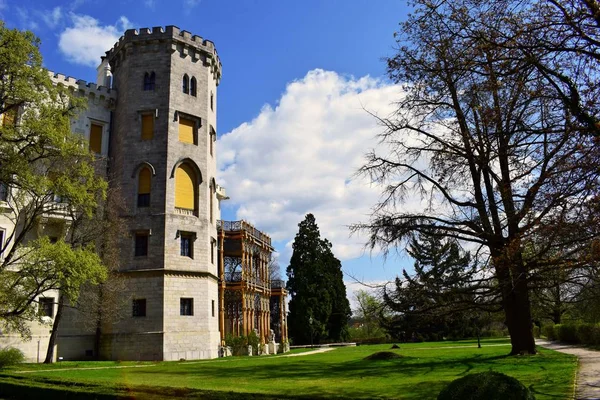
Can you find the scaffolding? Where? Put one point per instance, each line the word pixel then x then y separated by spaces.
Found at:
pixel 249 301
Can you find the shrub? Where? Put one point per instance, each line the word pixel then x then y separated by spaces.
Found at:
pixel 253 340
pixel 10 356
pixel 488 385
pixel 566 333
pixel 536 331
pixel 238 344
pixel 588 334
pixel 548 331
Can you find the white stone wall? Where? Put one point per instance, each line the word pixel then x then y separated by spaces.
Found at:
pixel 191 336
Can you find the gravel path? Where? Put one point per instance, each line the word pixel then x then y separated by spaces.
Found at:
pixel 588 375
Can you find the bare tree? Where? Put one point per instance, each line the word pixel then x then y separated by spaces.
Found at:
pixel 496 154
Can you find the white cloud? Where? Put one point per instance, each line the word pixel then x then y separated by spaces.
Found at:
pixel 150 4
pixel 86 41
pixel 26 19
pixel 191 3
pixel 300 157
pixel 52 18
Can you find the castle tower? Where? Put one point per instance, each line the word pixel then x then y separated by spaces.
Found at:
pixel 162 158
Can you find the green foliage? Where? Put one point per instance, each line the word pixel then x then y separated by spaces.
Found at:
pixel 318 309
pixel 437 300
pixel 239 344
pixel 10 356
pixel 49 171
pixel 575 333
pixel 486 386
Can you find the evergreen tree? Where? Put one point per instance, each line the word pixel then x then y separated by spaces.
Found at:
pixel 318 309
pixel 440 298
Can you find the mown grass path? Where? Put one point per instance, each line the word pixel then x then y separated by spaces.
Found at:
pixel 422 371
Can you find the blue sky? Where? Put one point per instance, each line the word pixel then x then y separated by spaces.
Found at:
pixel 292 125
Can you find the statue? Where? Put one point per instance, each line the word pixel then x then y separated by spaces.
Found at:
pixel 272 335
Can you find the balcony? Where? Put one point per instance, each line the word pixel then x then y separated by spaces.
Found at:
pixel 237 226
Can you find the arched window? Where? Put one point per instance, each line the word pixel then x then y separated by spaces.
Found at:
pixel 211 204
pixel 193 86
pixel 186 84
pixel 144 187
pixel 149 80
pixel 186 191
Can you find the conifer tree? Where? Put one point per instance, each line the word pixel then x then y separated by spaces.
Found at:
pixel 318 309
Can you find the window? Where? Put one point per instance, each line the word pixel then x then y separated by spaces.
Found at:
pixel 213 138
pixel 212 101
pixel 212 304
pixel 1 243
pixel 9 118
pixel 139 308
pixel 186 84
pixel 187 131
pixel 211 205
pixel 3 191
pixel 141 244
pixel 187 245
pixel 96 138
pixel 147 126
pixel 46 307
pixel 193 86
pixel 213 245
pixel 185 188
pixel 144 187
pixel 186 306
pixel 149 79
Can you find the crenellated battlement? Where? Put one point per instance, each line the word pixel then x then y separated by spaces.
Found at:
pixel 181 41
pixel 84 88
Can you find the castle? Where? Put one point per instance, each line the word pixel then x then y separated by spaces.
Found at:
pixel 191 278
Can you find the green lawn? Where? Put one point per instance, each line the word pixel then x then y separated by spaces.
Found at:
pixel 421 373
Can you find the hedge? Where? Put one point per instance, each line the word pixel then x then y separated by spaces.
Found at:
pixel 576 333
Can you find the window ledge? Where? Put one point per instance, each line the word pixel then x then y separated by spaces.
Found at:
pixel 185 211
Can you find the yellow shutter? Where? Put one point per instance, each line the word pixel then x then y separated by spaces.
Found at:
pixel 185 188
pixel 96 138
pixel 144 184
pixel 9 118
pixel 186 130
pixel 147 126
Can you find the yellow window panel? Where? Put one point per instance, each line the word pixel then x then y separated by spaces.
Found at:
pixel 96 138
pixel 147 126
pixel 186 130
pixel 9 118
pixel 144 185
pixel 185 187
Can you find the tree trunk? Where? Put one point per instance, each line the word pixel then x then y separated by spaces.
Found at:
pixel 50 353
pixel 517 308
pixel 98 334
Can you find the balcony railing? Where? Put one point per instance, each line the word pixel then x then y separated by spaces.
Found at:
pixel 234 226
pixel 278 284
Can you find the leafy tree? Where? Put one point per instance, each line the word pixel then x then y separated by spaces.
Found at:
pixel 318 308
pixel 369 312
pixel 496 152
pixel 50 173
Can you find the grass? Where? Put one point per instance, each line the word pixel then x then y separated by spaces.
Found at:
pixel 422 371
